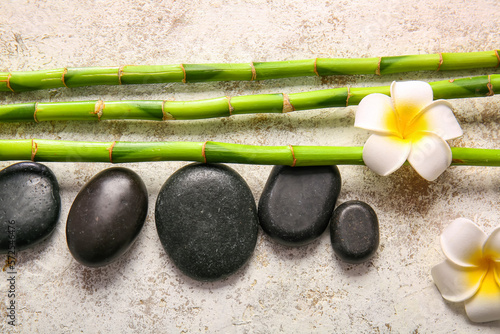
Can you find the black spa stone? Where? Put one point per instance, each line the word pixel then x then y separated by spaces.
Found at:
pixel 207 222
pixel 354 231
pixel 29 205
pixel 297 202
pixel 106 216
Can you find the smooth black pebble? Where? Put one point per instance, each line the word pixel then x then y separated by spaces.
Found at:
pixel 296 204
pixel 29 205
pixel 207 222
pixel 354 231
pixel 106 216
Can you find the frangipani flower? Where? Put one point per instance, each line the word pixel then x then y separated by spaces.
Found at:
pixel 409 125
pixel 471 272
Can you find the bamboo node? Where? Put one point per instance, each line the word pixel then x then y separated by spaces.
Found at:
pixel 440 62
pixel 293 156
pixel 254 72
pixel 377 71
pixel 8 82
pixel 166 115
pixel 316 66
pixel 34 114
pixel 203 152
pixel 184 72
pixel 231 108
pixel 120 74
pixel 99 108
pixel 348 96
pixel 34 149
pixel 490 87
pixel 498 57
pixel 287 105
pixel 62 77
pixel 110 149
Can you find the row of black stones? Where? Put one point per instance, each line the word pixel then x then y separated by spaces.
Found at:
pixel 206 216
pixel 297 205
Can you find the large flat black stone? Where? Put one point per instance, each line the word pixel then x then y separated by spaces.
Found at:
pixel 354 231
pixel 29 205
pixel 106 216
pixel 297 202
pixel 207 221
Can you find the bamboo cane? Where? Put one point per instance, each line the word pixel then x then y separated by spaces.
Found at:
pixel 19 81
pixel 227 106
pixel 121 152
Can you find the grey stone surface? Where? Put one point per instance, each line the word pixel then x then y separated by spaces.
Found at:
pixel 296 204
pixel 30 205
pixel 289 290
pixel 106 216
pixel 207 222
pixel 354 231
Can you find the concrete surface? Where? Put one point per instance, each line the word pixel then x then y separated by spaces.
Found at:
pixel 290 290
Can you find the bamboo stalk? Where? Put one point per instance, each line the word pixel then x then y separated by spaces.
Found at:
pixel 19 81
pixel 122 152
pixel 226 106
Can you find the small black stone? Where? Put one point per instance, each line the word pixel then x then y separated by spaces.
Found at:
pixel 354 231
pixel 297 202
pixel 106 216
pixel 207 222
pixel 29 205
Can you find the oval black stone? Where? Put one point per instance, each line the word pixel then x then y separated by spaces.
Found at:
pixel 297 202
pixel 354 231
pixel 106 216
pixel 29 205
pixel 207 222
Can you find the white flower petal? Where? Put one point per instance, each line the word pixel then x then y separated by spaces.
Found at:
pixel 491 247
pixel 430 155
pixel 462 242
pixel 409 98
pixel 485 304
pixel 385 154
pixel 438 118
pixel 455 283
pixel 375 113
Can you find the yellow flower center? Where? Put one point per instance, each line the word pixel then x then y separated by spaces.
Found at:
pixel 489 285
pixel 408 127
pixel 407 124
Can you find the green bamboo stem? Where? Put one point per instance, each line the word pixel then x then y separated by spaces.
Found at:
pixel 226 106
pixel 122 152
pixel 19 81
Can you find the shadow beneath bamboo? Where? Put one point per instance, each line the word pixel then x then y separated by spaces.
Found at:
pixel 257 126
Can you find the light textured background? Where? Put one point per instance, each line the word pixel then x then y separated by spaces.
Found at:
pixel 281 289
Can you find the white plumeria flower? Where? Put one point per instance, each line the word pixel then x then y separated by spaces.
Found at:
pixel 408 125
pixel 471 272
